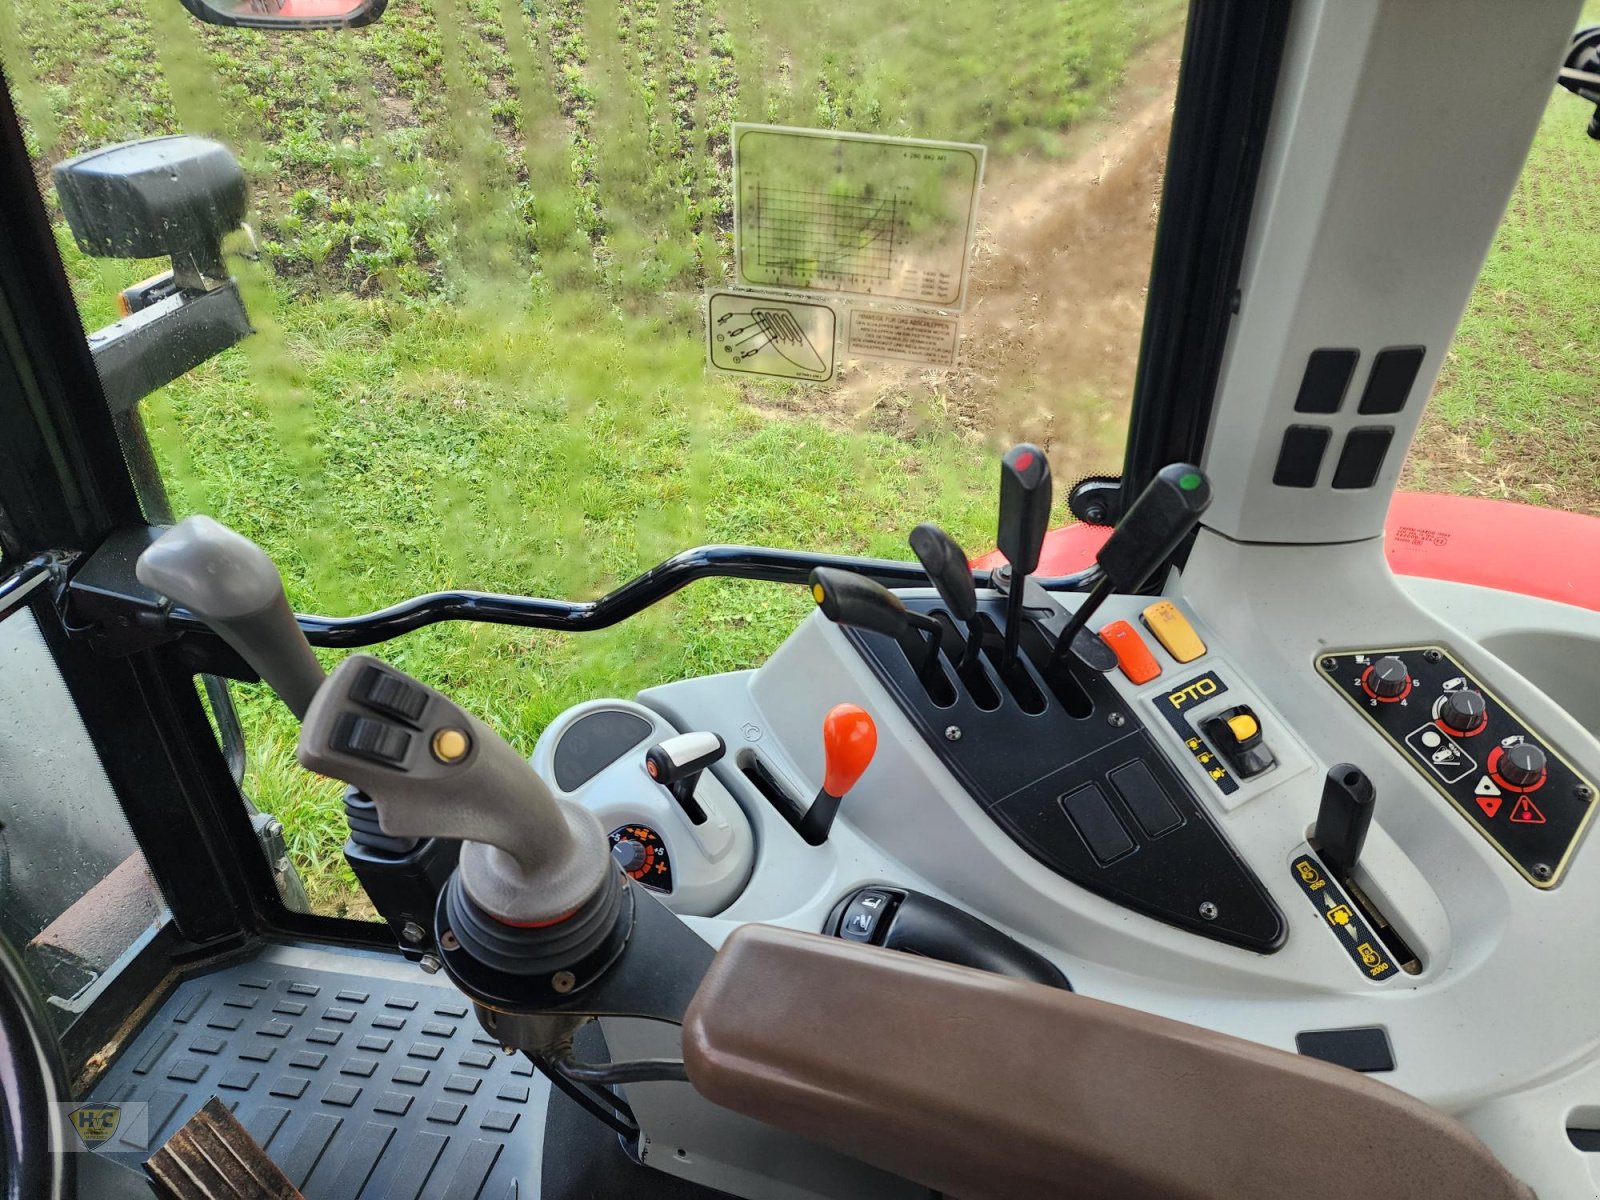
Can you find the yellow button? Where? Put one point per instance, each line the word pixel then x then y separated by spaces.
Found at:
pixel 450 745
pixel 1173 631
pixel 1243 727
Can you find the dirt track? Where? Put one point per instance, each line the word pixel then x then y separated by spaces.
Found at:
pixel 1051 334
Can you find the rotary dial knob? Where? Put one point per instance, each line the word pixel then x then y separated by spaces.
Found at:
pixel 1389 678
pixel 1463 712
pixel 1522 765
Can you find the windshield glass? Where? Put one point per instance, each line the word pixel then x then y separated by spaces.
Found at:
pixel 542 294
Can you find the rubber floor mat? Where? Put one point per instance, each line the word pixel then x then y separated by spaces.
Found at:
pixel 356 1085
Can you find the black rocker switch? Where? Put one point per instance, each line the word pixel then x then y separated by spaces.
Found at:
pixel 1236 734
pixel 1344 817
pixel 677 764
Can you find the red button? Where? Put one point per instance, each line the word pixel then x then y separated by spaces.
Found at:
pixel 1133 656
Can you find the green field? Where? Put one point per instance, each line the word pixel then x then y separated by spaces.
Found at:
pixel 484 229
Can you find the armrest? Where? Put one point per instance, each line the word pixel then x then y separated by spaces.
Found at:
pixel 983 1086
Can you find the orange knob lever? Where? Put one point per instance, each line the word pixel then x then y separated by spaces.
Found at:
pixel 849 740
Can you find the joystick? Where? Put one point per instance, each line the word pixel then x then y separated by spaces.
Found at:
pixel 536 894
pixel 849 740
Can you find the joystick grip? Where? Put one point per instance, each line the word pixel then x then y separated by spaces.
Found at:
pixel 228 581
pixel 434 770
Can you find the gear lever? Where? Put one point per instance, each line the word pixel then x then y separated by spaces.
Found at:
pixel 849 740
pixel 677 764
pixel 945 562
pixel 1160 518
pixel 1025 494
pixel 228 581
pixel 846 598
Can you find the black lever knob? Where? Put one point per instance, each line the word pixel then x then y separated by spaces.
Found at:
pixel 1344 817
pixel 1025 495
pixel 945 562
pixel 1163 515
pixel 846 598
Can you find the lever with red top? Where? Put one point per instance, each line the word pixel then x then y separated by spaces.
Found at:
pixel 849 740
pixel 1025 494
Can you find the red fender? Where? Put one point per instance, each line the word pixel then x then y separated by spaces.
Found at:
pixel 1492 543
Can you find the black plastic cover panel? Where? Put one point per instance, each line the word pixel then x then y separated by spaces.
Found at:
pixel 1327 376
pixel 593 742
pixel 1363 1049
pixel 1362 457
pixel 1080 784
pixel 1389 384
pixel 355 1086
pixel 1300 456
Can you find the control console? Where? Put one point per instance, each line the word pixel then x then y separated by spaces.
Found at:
pixel 1513 786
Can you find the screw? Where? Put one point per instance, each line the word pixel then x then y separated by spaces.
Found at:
pixel 1094 514
pixel 447 940
pixel 430 963
pixel 411 933
pixel 1581 792
pixel 1541 871
pixel 1431 656
pixel 1328 664
pixel 563 981
pixel 273 829
pixel 1208 910
pixel 1116 720
pixel 952 733
pixel 281 866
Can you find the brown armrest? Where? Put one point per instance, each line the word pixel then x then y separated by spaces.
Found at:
pixel 982 1086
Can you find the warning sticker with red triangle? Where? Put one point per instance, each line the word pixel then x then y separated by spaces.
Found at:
pixel 1525 812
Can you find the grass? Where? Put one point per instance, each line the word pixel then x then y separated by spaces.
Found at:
pixel 484 227
pixel 1516 411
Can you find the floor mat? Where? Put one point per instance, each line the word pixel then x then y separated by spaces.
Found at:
pixel 358 1085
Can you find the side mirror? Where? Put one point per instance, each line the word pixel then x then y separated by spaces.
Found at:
pixel 176 196
pixel 288 14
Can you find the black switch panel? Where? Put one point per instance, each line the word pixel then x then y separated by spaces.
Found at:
pixel 373 739
pixel 1529 803
pixel 1389 384
pixel 1327 376
pixel 1362 457
pixel 1300 456
pixel 1098 826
